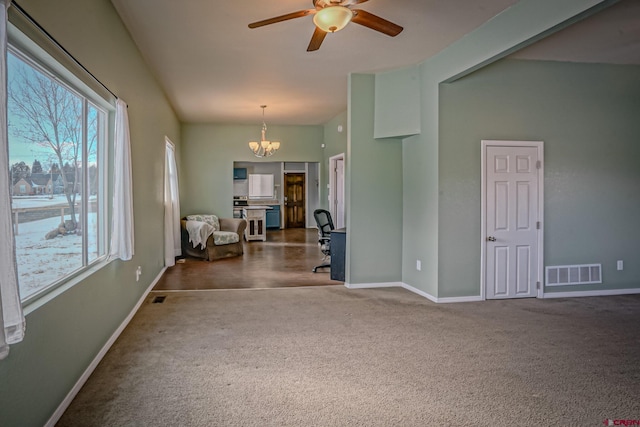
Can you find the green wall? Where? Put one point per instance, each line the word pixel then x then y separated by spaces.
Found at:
pixel 209 150
pixel 65 334
pixel 420 199
pixel 374 193
pixel 397 103
pixel 520 25
pixel 335 141
pixel 587 116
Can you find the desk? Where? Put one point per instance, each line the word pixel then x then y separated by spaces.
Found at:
pixel 338 253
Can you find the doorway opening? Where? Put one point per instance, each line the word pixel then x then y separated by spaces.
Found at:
pixel 336 190
pixel 273 193
pixel 294 200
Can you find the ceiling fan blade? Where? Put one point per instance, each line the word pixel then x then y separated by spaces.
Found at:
pixel 346 3
pixel 293 15
pixel 316 40
pixel 351 2
pixel 374 22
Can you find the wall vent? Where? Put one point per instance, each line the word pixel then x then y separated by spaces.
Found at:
pixel 560 275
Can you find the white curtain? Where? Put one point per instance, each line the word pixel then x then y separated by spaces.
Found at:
pixel 172 247
pixel 12 323
pixel 122 239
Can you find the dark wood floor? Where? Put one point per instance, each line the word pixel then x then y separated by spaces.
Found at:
pixel 284 260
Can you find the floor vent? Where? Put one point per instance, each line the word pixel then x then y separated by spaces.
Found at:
pixel 159 299
pixel 561 275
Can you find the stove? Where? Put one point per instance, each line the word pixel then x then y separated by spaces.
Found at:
pixel 239 202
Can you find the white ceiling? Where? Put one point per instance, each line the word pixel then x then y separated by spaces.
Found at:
pixel 213 68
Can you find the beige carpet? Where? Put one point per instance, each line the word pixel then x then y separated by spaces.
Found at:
pixel 329 356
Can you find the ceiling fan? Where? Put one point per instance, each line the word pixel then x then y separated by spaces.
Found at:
pixel 333 15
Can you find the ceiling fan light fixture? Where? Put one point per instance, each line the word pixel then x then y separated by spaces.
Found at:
pixel 332 18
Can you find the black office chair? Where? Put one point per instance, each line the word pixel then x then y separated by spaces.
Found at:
pixel 325 225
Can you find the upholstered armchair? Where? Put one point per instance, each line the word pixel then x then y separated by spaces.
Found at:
pixel 209 237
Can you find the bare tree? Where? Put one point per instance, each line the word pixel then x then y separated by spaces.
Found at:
pixel 49 115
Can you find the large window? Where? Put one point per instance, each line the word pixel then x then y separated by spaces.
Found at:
pixel 57 161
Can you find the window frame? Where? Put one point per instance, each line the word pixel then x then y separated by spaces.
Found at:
pixel 40 58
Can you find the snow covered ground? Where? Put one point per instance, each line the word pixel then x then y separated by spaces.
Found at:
pixel 42 262
pixel 21 202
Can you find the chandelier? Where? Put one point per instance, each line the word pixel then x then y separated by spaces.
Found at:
pixel 264 148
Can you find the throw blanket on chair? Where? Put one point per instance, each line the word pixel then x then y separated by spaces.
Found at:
pixel 199 232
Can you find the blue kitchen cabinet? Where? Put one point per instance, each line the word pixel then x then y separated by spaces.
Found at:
pixel 273 217
pixel 239 173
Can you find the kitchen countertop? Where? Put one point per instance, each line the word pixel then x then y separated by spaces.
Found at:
pixel 257 207
pixel 266 202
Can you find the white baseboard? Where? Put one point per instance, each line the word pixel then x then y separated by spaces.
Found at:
pixel 55 417
pixel 417 291
pixel 598 293
pixel 420 292
pixel 372 285
pixel 445 300
pixel 570 294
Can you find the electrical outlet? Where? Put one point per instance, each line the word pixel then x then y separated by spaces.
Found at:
pixel 138 273
pixel 418 265
pixel 620 265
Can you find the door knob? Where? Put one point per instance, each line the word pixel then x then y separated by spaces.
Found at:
pixel 491 239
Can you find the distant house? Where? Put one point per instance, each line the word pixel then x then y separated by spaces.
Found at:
pixel 22 186
pixel 58 184
pixel 42 183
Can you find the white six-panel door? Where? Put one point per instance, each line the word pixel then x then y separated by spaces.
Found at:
pixel 512 220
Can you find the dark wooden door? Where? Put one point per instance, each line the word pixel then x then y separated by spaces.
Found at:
pixel 294 212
